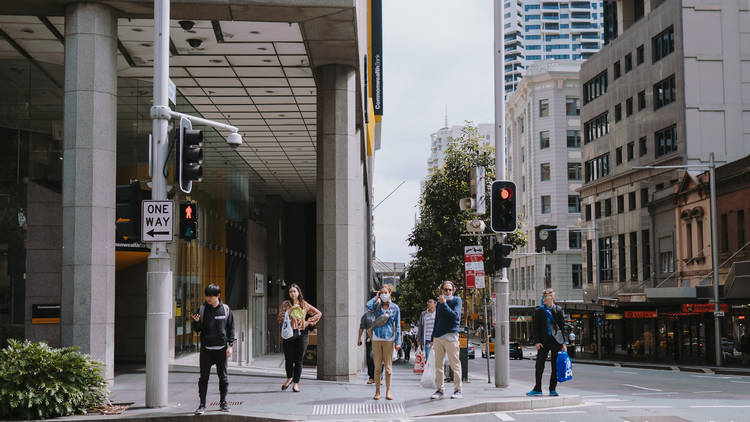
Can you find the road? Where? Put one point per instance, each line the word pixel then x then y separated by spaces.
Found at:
pixel 628 394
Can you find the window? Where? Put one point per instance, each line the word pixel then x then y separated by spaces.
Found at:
pixel 631 201
pixel 574 171
pixel 617 70
pixel 724 233
pixel 574 239
pixel 605 259
pixel 597 168
pixel 646 254
pixel 641 100
pixel 699 233
pixel 574 204
pixel 618 156
pixel 662 44
pixel 620 204
pixel 621 270
pixel 546 204
pixel 631 150
pixel 664 92
pixel 666 262
pixel 523 183
pixel 642 147
pixel 571 106
pixel 544 139
pixel 639 55
pixel 618 112
pixel 588 212
pixel 595 87
pixel 543 108
pixel 665 141
pixel 740 229
pixel 607 207
pixel 629 106
pixel 545 171
pixel 634 255
pixel 644 198
pixel 596 127
pixel 574 139
pixel 628 62
pixel 589 262
pixel 597 209
pixel 577 275
pixel 523 155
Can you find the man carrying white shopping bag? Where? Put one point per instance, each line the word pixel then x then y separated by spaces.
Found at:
pixel 445 340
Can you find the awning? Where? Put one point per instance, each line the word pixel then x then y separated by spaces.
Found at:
pixel 737 284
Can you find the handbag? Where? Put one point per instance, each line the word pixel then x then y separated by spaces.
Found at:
pixel 419 361
pixel 428 375
pixel 286 328
pixel 564 367
pixel 379 322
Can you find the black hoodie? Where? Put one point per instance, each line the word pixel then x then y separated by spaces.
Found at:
pixel 216 326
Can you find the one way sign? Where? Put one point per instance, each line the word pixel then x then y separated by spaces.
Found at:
pixel 156 221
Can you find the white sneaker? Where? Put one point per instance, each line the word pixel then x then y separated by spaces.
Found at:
pixel 457 395
pixel 437 395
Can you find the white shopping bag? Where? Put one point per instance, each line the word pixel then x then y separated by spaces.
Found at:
pixel 428 376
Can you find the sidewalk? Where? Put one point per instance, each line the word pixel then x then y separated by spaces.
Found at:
pixel 255 394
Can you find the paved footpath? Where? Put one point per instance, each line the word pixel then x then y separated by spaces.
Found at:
pixel 255 394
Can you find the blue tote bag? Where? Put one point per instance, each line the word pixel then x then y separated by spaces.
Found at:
pixel 564 367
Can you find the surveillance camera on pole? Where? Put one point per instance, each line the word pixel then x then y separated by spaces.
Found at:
pixel 477 202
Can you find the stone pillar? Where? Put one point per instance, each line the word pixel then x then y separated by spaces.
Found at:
pixel 88 200
pixel 340 211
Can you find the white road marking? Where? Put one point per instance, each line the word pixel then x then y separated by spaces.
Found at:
pixel 714 377
pixel 741 382
pixel 718 406
pixel 641 388
pixel 639 407
pixel 706 392
pixel 504 417
pixel 607 400
pixel 546 412
pixel 654 394
pixel 599 395
pixel 626 372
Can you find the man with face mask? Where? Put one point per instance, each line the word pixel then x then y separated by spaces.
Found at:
pixel 548 335
pixel 445 339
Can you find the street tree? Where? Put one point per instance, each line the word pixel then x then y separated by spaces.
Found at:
pixel 437 234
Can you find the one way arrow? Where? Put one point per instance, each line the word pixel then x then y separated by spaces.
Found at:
pixel 152 233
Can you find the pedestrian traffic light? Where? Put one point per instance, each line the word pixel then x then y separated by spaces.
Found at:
pixel 188 221
pixel 501 252
pixel 128 212
pixel 503 206
pixel 190 156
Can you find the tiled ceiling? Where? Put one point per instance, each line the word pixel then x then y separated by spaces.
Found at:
pixel 253 75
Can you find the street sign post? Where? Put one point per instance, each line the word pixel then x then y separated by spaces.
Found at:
pixel 156 221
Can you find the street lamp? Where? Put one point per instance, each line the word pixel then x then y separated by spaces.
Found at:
pixel 714 243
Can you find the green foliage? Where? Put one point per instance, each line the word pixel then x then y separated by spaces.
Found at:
pixel 437 235
pixel 41 382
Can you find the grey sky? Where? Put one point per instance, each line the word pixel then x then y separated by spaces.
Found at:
pixel 435 53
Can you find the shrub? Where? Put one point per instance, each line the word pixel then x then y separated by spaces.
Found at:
pixel 39 382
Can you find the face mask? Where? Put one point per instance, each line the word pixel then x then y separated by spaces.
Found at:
pixel 385 297
pixel 448 297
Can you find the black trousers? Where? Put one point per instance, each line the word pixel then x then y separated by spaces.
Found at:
pixel 369 358
pixel 548 346
pixel 294 351
pixel 209 358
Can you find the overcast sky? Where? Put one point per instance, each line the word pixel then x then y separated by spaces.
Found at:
pixel 436 53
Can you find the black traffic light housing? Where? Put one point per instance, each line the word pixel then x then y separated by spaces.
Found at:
pixel 546 237
pixel 503 207
pixel 188 221
pixel 128 200
pixel 189 156
pixel 501 252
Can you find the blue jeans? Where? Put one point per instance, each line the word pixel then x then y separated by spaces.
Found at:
pixel 427 350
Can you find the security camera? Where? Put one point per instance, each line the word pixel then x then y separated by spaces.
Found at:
pixel 194 42
pixel 234 140
pixel 187 25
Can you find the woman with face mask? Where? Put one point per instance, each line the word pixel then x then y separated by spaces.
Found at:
pixel 298 310
pixel 386 332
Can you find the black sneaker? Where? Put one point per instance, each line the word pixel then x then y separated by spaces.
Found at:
pixel 224 407
pixel 200 410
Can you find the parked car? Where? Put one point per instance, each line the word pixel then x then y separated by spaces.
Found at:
pixel 515 350
pixel 491 348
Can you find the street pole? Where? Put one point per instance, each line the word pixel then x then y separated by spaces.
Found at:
pixel 486 335
pixel 544 268
pixel 599 328
pixel 159 276
pixel 715 258
pixel 501 284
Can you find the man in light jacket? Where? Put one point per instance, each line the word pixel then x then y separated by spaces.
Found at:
pixel 445 339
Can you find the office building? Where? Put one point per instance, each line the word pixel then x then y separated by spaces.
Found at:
pixel 440 140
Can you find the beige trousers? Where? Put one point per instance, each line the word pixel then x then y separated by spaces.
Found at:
pixel 383 357
pixel 440 347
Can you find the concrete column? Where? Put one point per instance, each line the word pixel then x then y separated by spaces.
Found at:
pixel 88 200
pixel 340 211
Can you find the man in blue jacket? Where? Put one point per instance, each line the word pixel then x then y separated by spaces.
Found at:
pixel 445 339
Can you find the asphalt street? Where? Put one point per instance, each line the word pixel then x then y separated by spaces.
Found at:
pixel 627 394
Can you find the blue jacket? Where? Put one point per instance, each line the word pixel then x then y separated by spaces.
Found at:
pixel 386 331
pixel 447 317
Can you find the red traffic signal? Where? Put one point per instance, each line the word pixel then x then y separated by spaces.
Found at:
pixel 503 207
pixel 506 193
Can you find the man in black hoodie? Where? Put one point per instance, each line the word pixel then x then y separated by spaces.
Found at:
pixel 215 323
pixel 549 336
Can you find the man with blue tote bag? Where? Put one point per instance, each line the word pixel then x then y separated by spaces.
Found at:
pixel 549 338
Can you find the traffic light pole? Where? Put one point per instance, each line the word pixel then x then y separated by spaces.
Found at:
pixel 159 276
